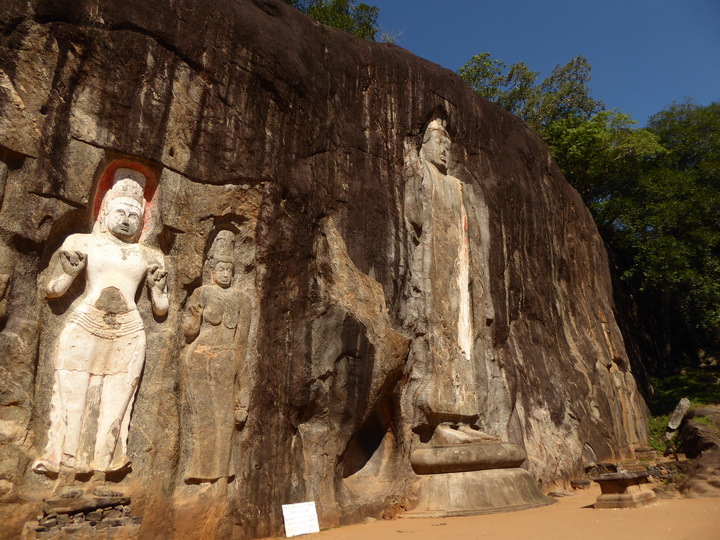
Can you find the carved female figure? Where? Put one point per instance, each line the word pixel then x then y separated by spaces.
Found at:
pixel 101 349
pixel 216 326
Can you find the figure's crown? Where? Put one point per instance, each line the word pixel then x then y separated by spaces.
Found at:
pixel 127 188
pixel 223 247
pixel 123 173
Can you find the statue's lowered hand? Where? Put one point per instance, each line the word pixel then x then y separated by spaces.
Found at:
pixel 241 414
pixel 72 261
pixel 157 278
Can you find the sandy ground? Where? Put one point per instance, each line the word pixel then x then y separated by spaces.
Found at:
pixel 571 518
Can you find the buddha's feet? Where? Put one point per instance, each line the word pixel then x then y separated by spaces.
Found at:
pixel 43 466
pixel 446 434
pixel 475 434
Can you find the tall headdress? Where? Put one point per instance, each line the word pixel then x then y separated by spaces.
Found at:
pixel 223 247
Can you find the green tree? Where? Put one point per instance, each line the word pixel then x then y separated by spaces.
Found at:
pixel 358 19
pixel 564 94
pixel 654 192
pixel 601 157
pixel 672 216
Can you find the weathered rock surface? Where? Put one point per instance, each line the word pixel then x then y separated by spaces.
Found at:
pixel 254 117
pixel 699 438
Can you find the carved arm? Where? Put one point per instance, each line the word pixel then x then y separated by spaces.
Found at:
pixel 71 264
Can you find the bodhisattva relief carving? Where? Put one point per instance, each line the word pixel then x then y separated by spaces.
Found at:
pixel 217 322
pixel 442 387
pixel 100 351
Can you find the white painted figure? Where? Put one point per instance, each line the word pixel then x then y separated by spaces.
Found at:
pixel 101 349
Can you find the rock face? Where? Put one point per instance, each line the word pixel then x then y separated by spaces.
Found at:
pixel 304 143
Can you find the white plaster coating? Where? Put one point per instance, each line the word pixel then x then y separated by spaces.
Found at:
pixel 101 349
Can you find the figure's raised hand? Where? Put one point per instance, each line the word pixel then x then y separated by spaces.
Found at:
pixel 157 277
pixel 72 261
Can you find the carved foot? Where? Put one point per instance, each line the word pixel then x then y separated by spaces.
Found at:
pixel 71 493
pixel 446 434
pixel 102 491
pixel 476 434
pixel 41 466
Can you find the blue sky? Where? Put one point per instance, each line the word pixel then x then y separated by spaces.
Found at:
pixel 645 54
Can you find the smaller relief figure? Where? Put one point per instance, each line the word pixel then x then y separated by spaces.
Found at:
pixel 100 351
pixel 217 322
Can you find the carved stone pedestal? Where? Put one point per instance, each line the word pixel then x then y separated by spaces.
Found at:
pixel 623 490
pixel 473 479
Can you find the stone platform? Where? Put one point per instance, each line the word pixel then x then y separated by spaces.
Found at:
pixel 469 479
pixel 623 490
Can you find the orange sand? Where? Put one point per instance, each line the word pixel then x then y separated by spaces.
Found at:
pixel 571 518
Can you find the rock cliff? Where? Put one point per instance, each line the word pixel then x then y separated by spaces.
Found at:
pixel 304 142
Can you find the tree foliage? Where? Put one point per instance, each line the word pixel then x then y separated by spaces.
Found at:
pixel 670 220
pixel 563 94
pixel 358 19
pixel 654 192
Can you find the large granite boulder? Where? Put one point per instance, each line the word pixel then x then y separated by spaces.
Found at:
pixel 305 143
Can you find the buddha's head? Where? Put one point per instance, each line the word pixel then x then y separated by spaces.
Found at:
pixel 436 145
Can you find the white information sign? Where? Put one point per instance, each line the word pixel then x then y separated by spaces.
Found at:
pixel 300 518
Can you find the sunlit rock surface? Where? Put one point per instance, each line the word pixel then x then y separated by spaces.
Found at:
pixel 301 140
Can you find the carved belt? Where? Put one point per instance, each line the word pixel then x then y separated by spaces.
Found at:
pixel 106 325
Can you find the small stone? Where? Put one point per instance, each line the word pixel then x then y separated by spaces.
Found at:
pixel 113 513
pixel 581 483
pixel 50 522
pixel 96 515
pixel 63 520
pixel 560 493
pixel 678 414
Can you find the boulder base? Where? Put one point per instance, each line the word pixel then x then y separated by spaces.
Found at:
pixel 477 492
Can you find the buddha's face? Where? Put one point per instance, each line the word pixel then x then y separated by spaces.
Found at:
pixel 436 149
pixel 123 220
pixel 223 274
